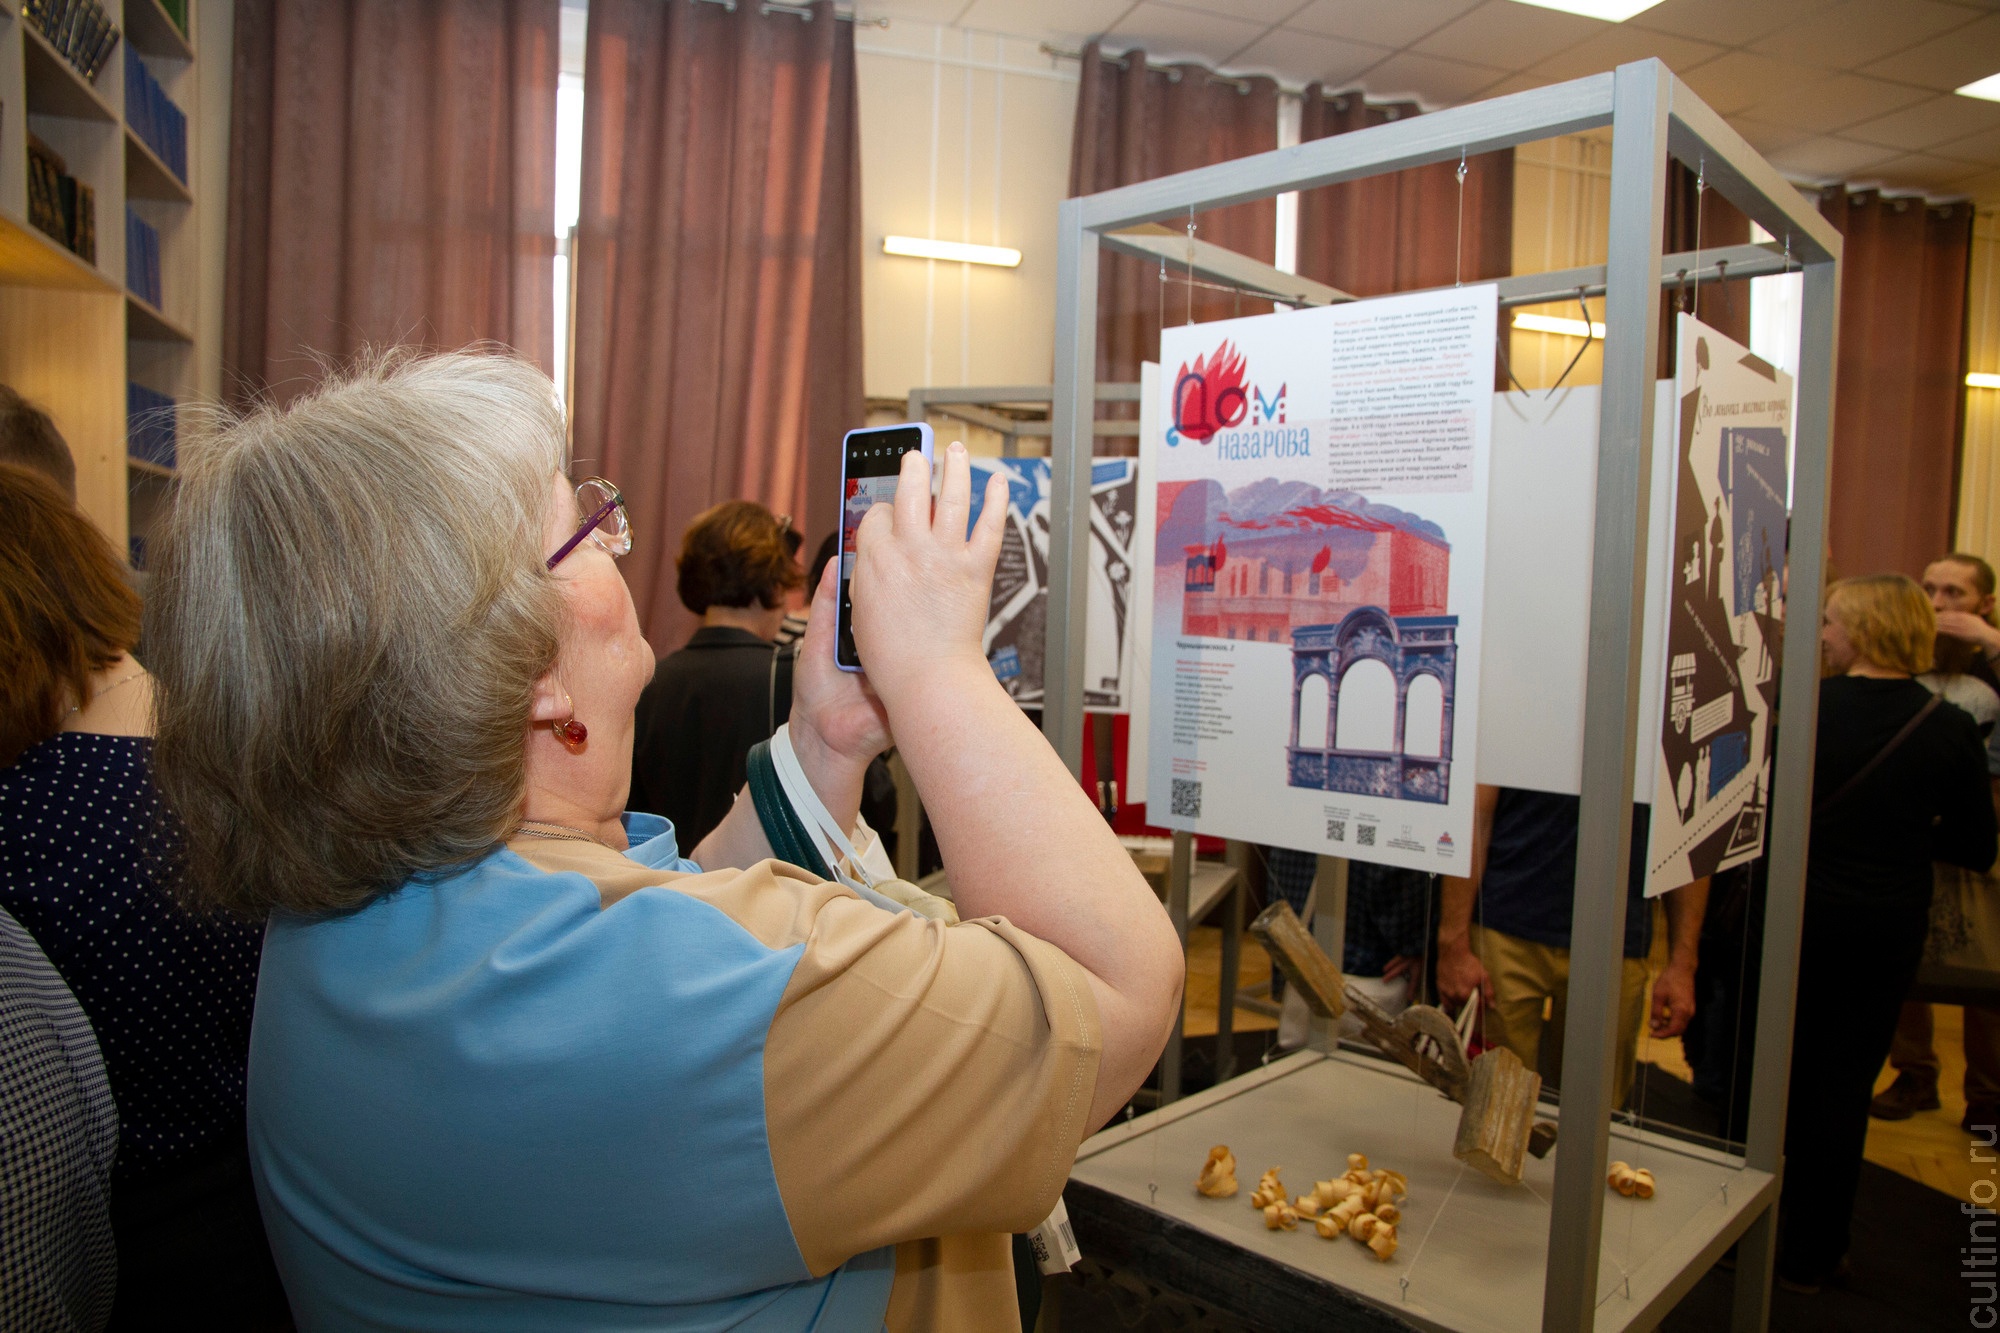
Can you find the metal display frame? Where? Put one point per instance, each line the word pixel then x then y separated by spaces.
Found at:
pixel 1653 117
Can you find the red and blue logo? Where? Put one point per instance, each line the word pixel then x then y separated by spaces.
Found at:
pixel 1213 394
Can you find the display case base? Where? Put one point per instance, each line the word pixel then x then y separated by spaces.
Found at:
pixel 1473 1252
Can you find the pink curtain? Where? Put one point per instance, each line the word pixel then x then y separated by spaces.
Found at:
pixel 718 298
pixel 1135 122
pixel 391 180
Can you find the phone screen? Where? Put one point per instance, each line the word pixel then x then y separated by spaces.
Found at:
pixel 873 460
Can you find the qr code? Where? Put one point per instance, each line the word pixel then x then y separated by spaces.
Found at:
pixel 1187 798
pixel 1364 835
pixel 1336 830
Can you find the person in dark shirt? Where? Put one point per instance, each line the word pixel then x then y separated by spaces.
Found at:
pixel 730 687
pixel 1515 954
pixel 1898 782
pixel 87 850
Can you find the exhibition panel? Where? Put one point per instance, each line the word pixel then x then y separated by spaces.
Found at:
pixel 1379 435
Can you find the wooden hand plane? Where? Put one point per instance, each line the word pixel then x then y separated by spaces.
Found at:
pixel 1497 1127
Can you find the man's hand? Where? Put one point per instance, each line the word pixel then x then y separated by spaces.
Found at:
pixel 1460 973
pixel 833 710
pixel 1673 1001
pixel 1965 625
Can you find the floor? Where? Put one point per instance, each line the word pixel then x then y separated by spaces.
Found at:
pixel 1929 1148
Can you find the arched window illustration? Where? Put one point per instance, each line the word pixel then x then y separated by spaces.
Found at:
pixel 1315 697
pixel 1367 719
pixel 1423 718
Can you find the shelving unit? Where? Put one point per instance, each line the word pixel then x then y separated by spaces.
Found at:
pixel 72 333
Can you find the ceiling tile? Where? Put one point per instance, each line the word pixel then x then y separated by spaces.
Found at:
pixel 1429 80
pixel 1856 32
pixel 1514 36
pixel 1516 83
pixel 1981 147
pixel 1265 12
pixel 1396 24
pixel 1301 57
pixel 1923 171
pixel 1176 33
pixel 1730 22
pixel 1983 189
pixel 1833 102
pixel 1621 45
pixel 1046 20
pixel 1827 158
pixel 1767 138
pixel 1946 62
pixel 1928 124
pixel 1736 79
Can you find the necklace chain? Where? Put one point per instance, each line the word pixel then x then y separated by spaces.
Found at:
pixel 122 680
pixel 542 828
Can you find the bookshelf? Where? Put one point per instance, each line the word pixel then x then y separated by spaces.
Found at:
pixel 73 332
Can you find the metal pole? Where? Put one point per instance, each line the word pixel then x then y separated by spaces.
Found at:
pixel 1640 101
pixel 1180 870
pixel 1070 439
pixel 1791 780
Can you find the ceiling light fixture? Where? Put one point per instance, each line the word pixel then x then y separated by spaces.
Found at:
pixel 1978 381
pixel 1986 89
pixel 1573 328
pixel 953 251
pixel 1611 11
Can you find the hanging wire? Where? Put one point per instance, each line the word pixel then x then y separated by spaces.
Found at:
pixel 1700 193
pixel 1458 249
pixel 1190 266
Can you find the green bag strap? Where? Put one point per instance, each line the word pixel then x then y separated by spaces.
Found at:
pixel 782 827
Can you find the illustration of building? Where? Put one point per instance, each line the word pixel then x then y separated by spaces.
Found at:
pixel 1413 649
pixel 1279 579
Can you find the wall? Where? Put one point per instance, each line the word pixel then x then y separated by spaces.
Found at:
pixel 1562 206
pixel 965 137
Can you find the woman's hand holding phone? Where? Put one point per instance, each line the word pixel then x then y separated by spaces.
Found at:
pixel 921 585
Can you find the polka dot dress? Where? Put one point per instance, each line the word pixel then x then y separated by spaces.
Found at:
pixel 84 841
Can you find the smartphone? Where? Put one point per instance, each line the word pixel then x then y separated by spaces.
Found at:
pixel 870 461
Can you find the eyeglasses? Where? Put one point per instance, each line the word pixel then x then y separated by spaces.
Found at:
pixel 604 519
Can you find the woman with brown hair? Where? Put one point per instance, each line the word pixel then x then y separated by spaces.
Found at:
pixel 85 851
pixel 730 686
pixel 1899 781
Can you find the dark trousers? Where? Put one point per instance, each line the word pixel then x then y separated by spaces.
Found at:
pixel 192 1253
pixel 1856 962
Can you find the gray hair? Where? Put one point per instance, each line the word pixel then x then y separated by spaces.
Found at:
pixel 349 616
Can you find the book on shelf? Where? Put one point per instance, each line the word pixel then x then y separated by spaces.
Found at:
pixel 160 125
pixel 59 204
pixel 149 425
pixel 142 259
pixel 81 31
pixel 177 10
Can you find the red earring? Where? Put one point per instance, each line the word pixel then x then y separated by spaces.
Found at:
pixel 571 730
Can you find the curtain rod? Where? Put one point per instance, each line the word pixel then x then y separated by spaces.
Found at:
pixel 1242 82
pixel 768 7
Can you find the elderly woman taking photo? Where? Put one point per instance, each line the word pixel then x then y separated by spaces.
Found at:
pixel 519 1061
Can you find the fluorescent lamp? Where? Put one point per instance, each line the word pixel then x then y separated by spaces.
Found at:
pixel 1987 89
pixel 954 251
pixel 1573 328
pixel 1978 381
pixel 1611 11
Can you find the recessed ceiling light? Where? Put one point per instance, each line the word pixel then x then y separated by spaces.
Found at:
pixel 1987 88
pixel 952 251
pixel 1611 11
